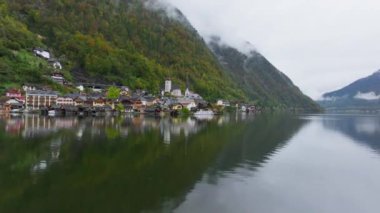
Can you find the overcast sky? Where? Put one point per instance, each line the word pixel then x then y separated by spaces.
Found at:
pixel 322 45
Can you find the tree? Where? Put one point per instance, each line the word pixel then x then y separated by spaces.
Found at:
pixel 113 93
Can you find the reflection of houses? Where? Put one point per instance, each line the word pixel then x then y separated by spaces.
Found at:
pixel 37 99
pixel 173 127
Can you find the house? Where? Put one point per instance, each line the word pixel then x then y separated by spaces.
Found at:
pixel 55 63
pixel 65 101
pixel 42 53
pixel 97 89
pixel 223 103
pixel 37 99
pixel 58 78
pixel 98 102
pixel 176 106
pixel 80 101
pixel 138 105
pixel 28 87
pixel 80 88
pixel 187 103
pixel 14 93
pixel 13 104
pixel 150 101
pixel 124 90
pixel 176 92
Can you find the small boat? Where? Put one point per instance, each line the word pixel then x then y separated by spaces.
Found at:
pixel 204 112
pixel 15 111
pixel 52 112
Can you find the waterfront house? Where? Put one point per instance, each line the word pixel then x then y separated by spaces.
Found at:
pixel 37 99
pixel 187 103
pixel 65 101
pixel 13 104
pixel 176 106
pixel 14 93
pixel 176 92
pixel 79 101
pixel 223 103
pixel 98 102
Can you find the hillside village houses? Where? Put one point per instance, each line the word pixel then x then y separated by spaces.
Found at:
pixel 34 97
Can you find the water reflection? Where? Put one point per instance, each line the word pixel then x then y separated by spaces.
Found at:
pixel 130 163
pixel 362 129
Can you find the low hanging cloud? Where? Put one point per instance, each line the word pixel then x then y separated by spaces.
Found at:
pixel 321 45
pixel 369 96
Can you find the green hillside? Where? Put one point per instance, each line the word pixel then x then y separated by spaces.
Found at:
pixel 259 79
pixel 112 42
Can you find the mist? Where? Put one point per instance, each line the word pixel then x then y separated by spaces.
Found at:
pixel 321 45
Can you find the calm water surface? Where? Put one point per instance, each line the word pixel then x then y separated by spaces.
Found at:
pixel 233 163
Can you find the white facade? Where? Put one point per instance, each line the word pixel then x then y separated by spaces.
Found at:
pixel 61 101
pixel 80 88
pixel 42 53
pixel 177 93
pixel 168 86
pixel 57 65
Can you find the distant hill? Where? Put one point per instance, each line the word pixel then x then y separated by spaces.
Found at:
pixel 259 78
pixel 363 93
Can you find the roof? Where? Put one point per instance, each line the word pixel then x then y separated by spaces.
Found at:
pixel 42 92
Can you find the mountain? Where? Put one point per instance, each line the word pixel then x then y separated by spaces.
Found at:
pixel 124 42
pixel 138 43
pixel 363 93
pixel 258 78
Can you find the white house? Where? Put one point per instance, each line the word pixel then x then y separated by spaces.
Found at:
pixel 57 65
pixel 65 101
pixel 28 88
pixel 58 78
pixel 80 88
pixel 188 103
pixel 223 103
pixel 37 99
pixel 176 92
pixel 42 53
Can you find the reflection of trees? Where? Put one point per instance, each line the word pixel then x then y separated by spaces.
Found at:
pixel 362 129
pixel 99 173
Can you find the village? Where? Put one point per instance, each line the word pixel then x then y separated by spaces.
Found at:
pixel 91 99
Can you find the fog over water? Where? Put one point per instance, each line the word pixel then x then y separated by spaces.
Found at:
pixel 321 45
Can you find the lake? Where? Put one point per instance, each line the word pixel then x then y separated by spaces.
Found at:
pixel 232 163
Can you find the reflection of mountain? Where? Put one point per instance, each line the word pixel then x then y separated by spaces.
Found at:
pixel 365 129
pixel 106 171
pixel 264 136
